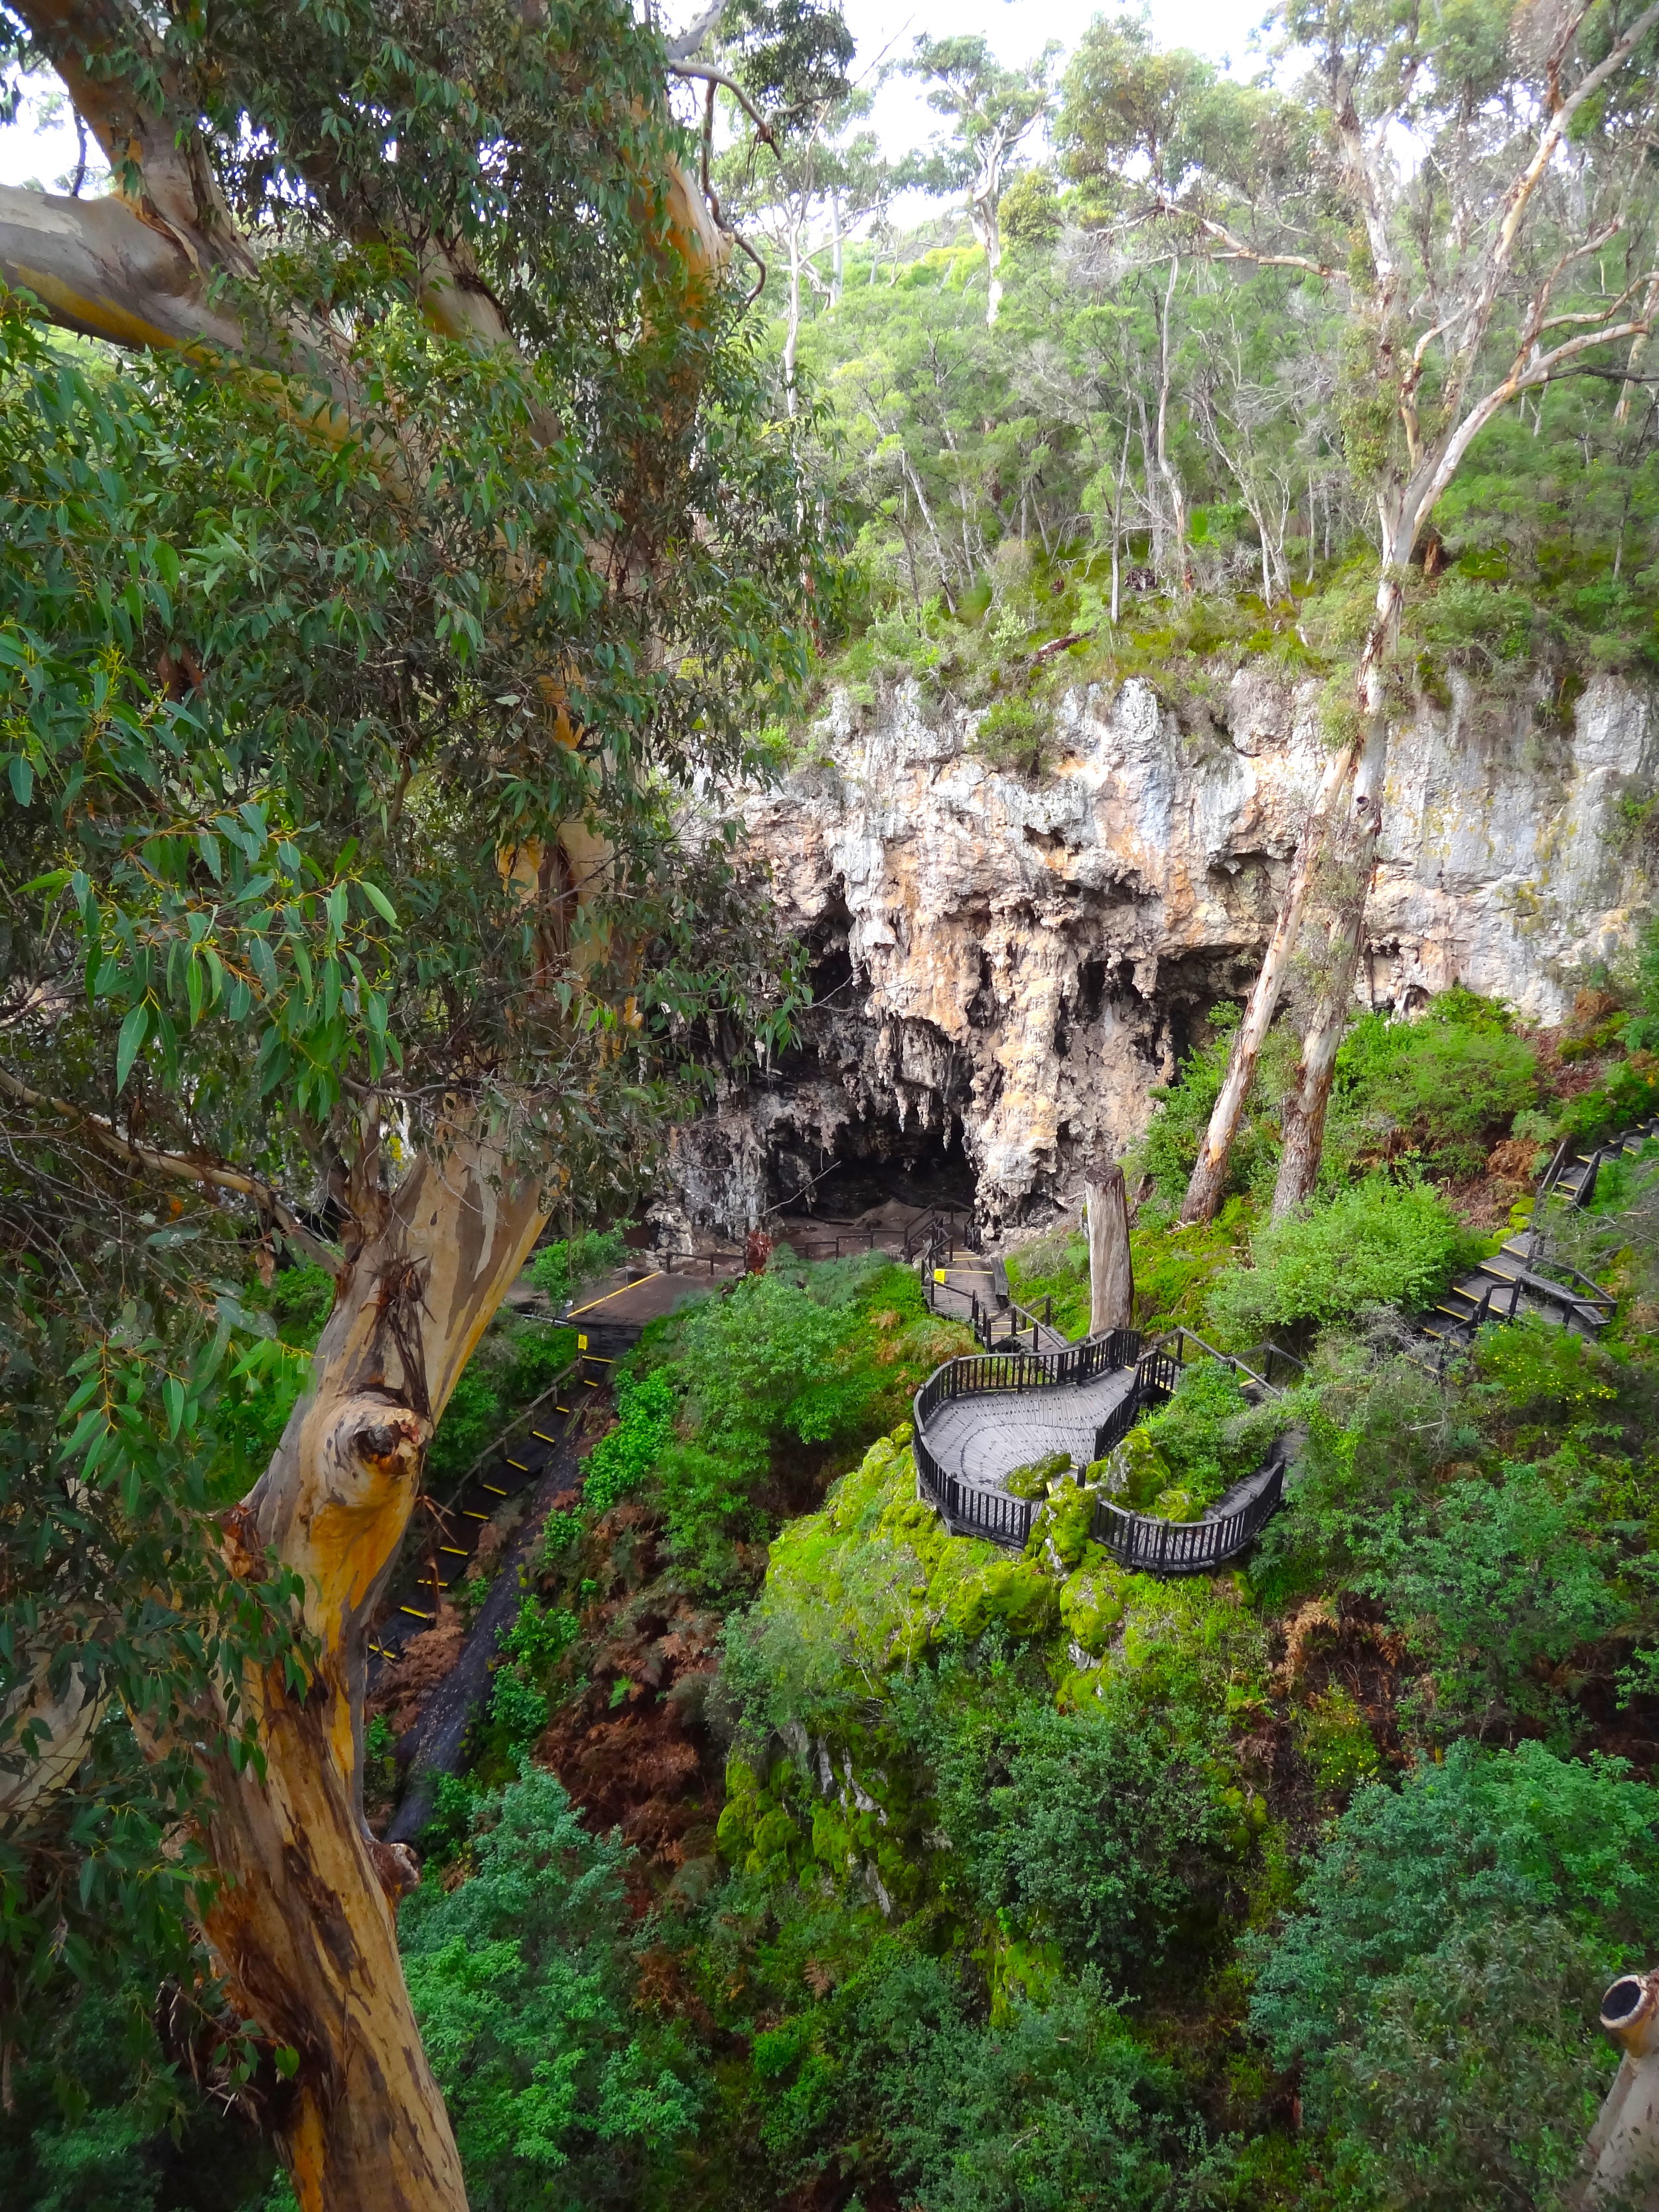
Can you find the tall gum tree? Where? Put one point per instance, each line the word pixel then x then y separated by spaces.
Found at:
pixel 427 552
pixel 1482 207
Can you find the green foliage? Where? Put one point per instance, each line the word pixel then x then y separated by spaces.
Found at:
pixel 1496 1582
pixel 516 1362
pixel 97 2120
pixel 1085 1829
pixel 1446 1083
pixel 1034 1480
pixel 1478 2074
pixel 1401 1981
pixel 521 1979
pixel 560 1269
pixel 626 1454
pixel 1054 2108
pixel 1378 1242
pixel 1208 1437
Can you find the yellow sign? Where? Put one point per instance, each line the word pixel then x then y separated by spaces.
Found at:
pixel 938 1274
pixel 581 1344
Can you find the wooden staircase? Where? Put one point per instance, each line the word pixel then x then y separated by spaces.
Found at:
pixel 1518 1279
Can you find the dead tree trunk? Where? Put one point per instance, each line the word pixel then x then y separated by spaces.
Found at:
pixel 1622 2153
pixel 1111 1271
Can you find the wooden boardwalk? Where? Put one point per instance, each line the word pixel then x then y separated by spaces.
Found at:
pixel 982 1440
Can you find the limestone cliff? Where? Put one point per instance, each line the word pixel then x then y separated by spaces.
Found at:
pixel 1006 966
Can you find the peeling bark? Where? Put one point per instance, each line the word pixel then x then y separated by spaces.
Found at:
pixel 303 1928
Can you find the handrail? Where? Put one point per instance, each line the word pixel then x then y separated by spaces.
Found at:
pixel 1184 1336
pixel 1137 1540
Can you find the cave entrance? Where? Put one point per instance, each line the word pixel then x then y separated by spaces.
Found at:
pixel 876 1165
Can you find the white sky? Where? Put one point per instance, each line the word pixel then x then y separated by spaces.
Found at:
pixel 32 152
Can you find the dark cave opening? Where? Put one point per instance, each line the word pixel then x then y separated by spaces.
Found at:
pixel 874 1162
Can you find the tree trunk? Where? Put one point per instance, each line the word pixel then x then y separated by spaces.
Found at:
pixel 305 1935
pixel 1111 1271
pixel 1304 1122
pixel 1208 1186
pixel 792 331
pixel 302 1927
pixel 1183 578
pixel 1622 2153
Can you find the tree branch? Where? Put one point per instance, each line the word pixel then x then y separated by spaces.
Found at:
pixel 99 268
pixel 179 1167
pixel 706 73
pixel 1237 249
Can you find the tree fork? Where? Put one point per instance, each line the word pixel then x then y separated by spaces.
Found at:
pixel 1208 1185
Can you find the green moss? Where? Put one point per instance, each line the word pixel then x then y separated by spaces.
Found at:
pixel 1094 1600
pixel 1037 1478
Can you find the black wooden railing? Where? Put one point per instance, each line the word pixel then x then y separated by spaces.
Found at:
pixel 1136 1539
pixel 1187 1548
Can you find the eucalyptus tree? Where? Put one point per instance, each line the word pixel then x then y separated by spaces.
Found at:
pixel 373 590
pixel 992 111
pixel 1480 207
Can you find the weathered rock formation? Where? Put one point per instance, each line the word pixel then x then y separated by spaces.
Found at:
pixel 1006 967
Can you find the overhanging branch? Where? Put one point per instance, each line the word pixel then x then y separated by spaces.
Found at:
pixel 178 1167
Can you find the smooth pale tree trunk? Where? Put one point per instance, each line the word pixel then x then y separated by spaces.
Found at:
pixel 1208 1185
pixel 303 1928
pixel 1309 1097
pixel 1166 468
pixel 1111 1271
pixel 792 327
pixel 1622 2153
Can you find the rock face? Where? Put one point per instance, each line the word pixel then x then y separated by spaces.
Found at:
pixel 1006 967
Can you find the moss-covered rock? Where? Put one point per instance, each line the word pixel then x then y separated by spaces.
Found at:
pixel 1094 1600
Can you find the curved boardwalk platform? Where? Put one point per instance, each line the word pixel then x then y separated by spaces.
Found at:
pixel 977 1419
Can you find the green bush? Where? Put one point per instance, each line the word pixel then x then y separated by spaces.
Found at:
pixel 1399 1981
pixel 522 1981
pixel 1475 1838
pixel 1495 1583
pixel 625 1455
pixel 1446 1082
pixel 1477 2076
pixel 1378 1243
pixel 1087 1829
pixel 1054 2107
pixel 560 1269
pixel 1208 1437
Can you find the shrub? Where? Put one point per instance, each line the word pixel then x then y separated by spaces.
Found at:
pixel 1438 1979
pixel 1447 1081
pixel 1208 1436
pixel 1378 1244
pixel 1086 1829
pixel 521 1977
pixel 1478 2074
pixel 624 1455
pixel 1494 1583
pixel 1483 1837
pixel 560 1269
pixel 1052 2107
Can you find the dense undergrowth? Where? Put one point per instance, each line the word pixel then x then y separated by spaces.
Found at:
pixel 810 1857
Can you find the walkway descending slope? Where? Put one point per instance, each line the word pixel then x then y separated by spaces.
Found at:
pixel 1518 1279
pixel 979 1418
